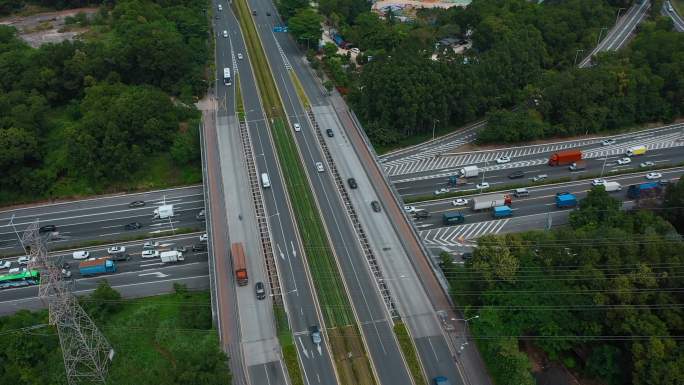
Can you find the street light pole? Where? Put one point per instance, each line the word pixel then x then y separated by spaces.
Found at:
pixel 465 330
pixel 434 122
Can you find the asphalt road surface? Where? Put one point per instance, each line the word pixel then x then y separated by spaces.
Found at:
pixel 104 218
pixel 136 277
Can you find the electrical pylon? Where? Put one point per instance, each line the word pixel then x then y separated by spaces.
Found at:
pixel 85 350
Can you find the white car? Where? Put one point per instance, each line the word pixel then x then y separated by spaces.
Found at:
pixel 539 177
pixel 240 56
pixel 460 202
pixel 5 265
pixel 410 209
pixel 297 127
pixel 225 33
pixel 624 160
pixel 598 182
pixel 654 175
pixel 23 260
pixel 503 159
pixel 150 253
pixel 150 245
pixel 647 164
pixel 319 167
pixel 81 254
pixel 116 250
pixel 204 237
pixel 608 142
pixel 482 186
pixel 441 191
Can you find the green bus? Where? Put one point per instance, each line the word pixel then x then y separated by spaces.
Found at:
pixel 24 278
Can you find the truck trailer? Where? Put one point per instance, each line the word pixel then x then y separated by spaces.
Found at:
pixel 489 201
pixel 469 171
pixel 564 201
pixel 501 211
pixel 636 150
pixel 237 252
pixel 612 186
pixel 97 266
pixel 643 190
pixel 163 212
pixel 171 256
pixel 561 158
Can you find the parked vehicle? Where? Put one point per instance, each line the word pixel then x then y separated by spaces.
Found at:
pixel 612 186
pixel 163 212
pixel 636 150
pixel 453 218
pixel 566 200
pixel 97 266
pixel 171 256
pixel 237 253
pixel 469 171
pixel 643 190
pixel 501 211
pixel 578 166
pixel 565 157
pixel 489 201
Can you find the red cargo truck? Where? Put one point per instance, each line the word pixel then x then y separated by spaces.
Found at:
pixel 239 263
pixel 565 157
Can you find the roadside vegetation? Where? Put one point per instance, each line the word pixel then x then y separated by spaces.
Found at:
pixel 599 297
pixel 160 340
pixel 108 112
pixel 349 355
pixel 408 349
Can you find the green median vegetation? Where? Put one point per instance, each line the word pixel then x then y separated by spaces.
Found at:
pixel 349 355
pixel 287 345
pixel 409 352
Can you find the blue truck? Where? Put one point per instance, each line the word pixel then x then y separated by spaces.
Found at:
pixel 566 200
pixel 441 380
pixel 643 190
pixel 453 218
pixel 501 211
pixel 97 266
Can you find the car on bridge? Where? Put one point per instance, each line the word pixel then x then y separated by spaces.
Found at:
pixel 116 250
pixel 625 160
pixel 598 182
pixel 352 183
pixel 315 333
pixel 81 254
pixel 482 186
pixel 47 229
pixel 133 226
pixel 608 142
pixel 150 254
pixel 654 175
pixel 297 127
pixel 647 164
pixel 441 191
pixel 516 175
pixel 136 204
pixel 503 159
pixel 319 167
pixel 460 202
pixel 410 209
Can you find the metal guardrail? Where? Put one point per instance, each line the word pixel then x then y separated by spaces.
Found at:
pixel 351 213
pixel 262 219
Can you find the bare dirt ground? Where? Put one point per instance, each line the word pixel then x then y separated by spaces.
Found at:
pixel 46 27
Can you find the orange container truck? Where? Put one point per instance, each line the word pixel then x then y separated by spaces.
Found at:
pixel 239 263
pixel 565 157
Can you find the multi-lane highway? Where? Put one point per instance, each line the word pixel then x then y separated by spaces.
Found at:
pixel 664 148
pixel 104 218
pixel 535 211
pixel 137 277
pixel 670 11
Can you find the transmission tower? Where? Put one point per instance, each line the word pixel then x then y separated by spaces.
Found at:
pixel 85 349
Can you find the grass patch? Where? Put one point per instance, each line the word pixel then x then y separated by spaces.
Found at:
pixel 239 104
pixel 678 5
pixel 409 351
pixel 299 88
pixel 288 346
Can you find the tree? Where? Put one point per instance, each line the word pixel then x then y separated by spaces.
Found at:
pixel 288 8
pixel 103 302
pixel 306 25
pixel 673 205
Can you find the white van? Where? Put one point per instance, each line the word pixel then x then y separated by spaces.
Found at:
pixel 265 182
pixel 220 7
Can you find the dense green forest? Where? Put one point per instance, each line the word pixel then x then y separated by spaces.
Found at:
pixel 163 340
pixel 602 296
pixel 523 55
pixel 110 111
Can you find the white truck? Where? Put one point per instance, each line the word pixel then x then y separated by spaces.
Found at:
pixel 612 186
pixel 171 256
pixel 489 201
pixel 469 171
pixel 163 212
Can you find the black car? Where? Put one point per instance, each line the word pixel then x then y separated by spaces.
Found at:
pixel 352 183
pixel 329 132
pixel 376 206
pixel 136 204
pixel 260 291
pixel 133 226
pixel 516 175
pixel 268 13
pixel 199 247
pixel 119 257
pixel 47 229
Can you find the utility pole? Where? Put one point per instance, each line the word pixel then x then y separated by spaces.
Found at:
pixel 434 121
pixel 465 331
pixel 86 352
